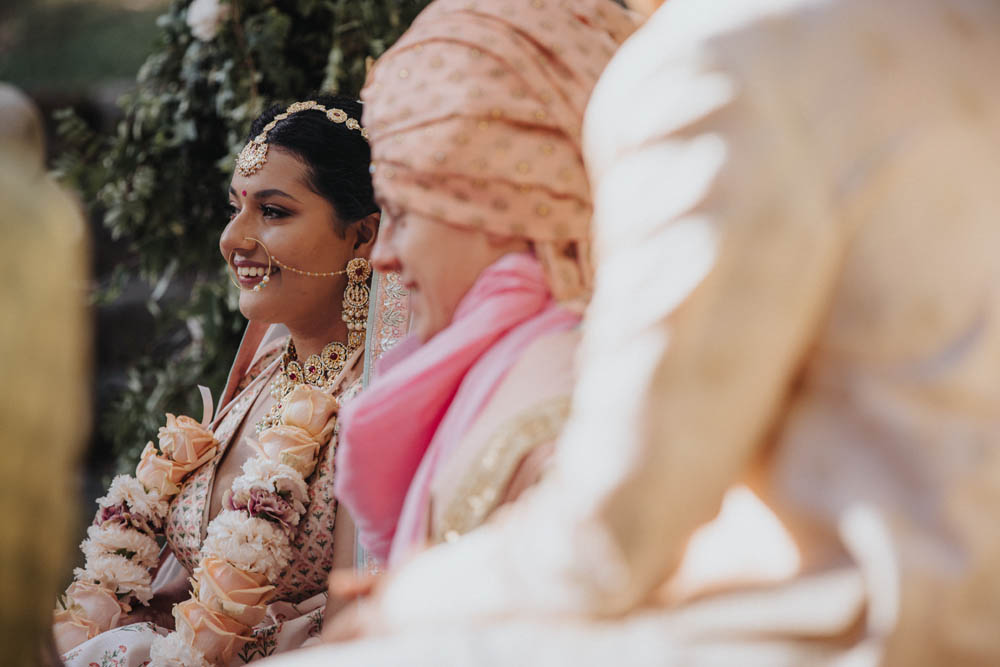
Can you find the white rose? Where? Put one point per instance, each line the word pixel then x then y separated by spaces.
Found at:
pixel 204 17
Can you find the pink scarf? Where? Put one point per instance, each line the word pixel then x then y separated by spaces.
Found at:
pixel 427 396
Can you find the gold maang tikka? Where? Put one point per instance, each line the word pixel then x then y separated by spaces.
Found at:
pixel 254 154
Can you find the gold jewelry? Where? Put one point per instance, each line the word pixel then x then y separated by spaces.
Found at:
pixel 320 370
pixel 293 373
pixel 254 154
pixel 270 258
pixel 267 276
pixel 354 307
pixel 314 274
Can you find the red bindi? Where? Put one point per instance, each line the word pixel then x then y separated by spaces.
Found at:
pixel 244 193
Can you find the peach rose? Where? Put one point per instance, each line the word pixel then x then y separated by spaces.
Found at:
pixel 224 587
pixel 308 408
pixel 290 445
pixel 217 636
pixel 158 473
pixel 70 629
pixel 184 441
pixel 97 603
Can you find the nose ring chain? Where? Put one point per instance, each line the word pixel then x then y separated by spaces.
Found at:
pixel 271 258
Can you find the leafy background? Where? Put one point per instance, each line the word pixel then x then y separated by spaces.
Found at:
pixel 154 182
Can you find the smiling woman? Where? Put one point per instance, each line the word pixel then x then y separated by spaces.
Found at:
pixel 244 499
pixel 296 204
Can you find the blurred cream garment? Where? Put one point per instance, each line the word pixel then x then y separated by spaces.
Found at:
pixel 796 211
pixel 45 336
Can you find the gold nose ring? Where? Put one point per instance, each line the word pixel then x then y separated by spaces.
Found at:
pixel 267 276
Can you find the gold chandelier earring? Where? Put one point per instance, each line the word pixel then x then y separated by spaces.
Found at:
pixel 355 304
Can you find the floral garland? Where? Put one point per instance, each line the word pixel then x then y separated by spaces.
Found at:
pixel 247 545
pixel 121 549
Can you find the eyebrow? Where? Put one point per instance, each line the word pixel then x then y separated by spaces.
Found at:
pixel 264 194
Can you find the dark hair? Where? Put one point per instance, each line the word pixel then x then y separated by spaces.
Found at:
pixel 337 158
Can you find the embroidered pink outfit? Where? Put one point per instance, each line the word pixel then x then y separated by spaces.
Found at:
pixel 296 614
pixel 188 518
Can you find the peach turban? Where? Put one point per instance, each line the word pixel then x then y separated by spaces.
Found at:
pixel 475 118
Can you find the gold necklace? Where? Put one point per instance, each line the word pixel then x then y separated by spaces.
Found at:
pixel 318 370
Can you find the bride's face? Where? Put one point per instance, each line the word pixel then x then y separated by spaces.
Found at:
pixel 300 228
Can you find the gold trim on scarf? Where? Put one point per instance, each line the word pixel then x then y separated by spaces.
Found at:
pixel 481 490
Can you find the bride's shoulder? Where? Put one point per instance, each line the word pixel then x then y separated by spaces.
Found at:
pixel 265 357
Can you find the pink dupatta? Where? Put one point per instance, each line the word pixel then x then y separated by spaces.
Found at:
pixel 427 396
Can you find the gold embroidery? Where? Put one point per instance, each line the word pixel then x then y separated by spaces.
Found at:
pixel 480 491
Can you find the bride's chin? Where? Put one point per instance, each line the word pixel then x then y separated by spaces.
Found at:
pixel 258 307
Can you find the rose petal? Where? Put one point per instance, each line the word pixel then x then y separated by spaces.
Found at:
pixel 185 441
pixel 215 634
pixel 308 408
pixel 98 604
pixel 70 629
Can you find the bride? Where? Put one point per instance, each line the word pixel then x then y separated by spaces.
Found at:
pixel 244 498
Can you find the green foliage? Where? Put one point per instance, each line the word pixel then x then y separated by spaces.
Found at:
pixel 159 181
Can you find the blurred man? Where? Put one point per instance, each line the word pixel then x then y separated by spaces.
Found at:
pixel 21 133
pixel 44 336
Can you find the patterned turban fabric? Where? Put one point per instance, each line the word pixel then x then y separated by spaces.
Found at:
pixel 475 118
